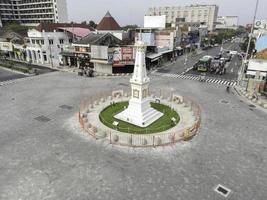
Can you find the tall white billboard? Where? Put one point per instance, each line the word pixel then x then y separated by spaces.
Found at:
pixel 155 21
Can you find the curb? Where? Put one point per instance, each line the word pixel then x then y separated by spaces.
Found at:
pixel 250 98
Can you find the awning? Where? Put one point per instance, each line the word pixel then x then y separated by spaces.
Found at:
pixel 99 61
pixel 168 51
pixel 153 55
pixel 254 73
pixel 118 65
pixel 80 32
pixel 65 53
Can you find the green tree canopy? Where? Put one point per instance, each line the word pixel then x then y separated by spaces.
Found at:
pixel 129 26
pixel 92 24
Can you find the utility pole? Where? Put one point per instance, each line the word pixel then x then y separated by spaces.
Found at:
pixel 252 29
pixel 249 42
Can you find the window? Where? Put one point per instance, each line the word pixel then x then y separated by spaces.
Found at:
pixel 42 41
pixel 61 41
pixel 70 40
pixel 51 41
pixel 33 41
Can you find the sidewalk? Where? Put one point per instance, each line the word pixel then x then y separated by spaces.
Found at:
pixel 60 68
pixel 260 101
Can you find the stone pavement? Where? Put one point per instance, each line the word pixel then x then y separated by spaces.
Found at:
pixel 95 127
pixel 251 98
pixel 42 158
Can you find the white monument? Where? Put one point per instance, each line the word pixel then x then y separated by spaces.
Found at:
pixel 139 111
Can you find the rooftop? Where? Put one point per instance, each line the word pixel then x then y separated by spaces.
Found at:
pixel 108 23
pixel 50 27
pixel 262 54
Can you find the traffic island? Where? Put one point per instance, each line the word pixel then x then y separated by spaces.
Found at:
pixel 180 122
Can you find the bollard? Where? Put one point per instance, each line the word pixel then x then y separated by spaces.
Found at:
pixel 158 141
pixel 144 141
pixel 115 138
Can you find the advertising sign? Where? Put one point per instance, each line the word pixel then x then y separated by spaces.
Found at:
pixel 6 46
pixel 99 52
pixel 155 21
pixel 123 56
pixel 262 24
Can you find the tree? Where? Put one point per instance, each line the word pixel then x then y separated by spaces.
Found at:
pixel 92 24
pixel 244 45
pixel 15 27
pixel 129 26
pixel 84 22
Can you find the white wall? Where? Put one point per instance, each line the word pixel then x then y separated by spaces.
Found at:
pixel 62 11
pixel 195 13
pixel 155 21
pixel 103 68
pixel 46 48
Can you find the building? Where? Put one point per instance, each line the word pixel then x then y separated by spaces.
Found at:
pixel 162 44
pixel 109 25
pixel 155 21
pixel 12 44
pixel 32 12
pixel 103 52
pixel 227 22
pixel 47 40
pixel 194 13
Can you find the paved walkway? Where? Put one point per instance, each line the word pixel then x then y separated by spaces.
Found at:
pixel 251 98
pixel 186 126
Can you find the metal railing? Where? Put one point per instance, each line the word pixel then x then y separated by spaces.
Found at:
pixel 139 140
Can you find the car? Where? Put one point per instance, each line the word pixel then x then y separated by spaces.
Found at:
pixel 205 48
pixel 217 57
pixel 228 58
pixel 216 44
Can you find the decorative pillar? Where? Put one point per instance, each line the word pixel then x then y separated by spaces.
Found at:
pixel 69 61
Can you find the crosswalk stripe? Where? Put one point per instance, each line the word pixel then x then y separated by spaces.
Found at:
pixel 209 80
pixel 195 78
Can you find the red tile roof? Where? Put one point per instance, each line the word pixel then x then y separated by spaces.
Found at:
pixel 50 27
pixel 262 54
pixel 108 23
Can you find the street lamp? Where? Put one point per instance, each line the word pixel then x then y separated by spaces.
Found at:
pixel 249 42
pixel 252 29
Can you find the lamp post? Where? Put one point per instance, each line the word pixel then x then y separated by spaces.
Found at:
pixel 252 29
pixel 249 42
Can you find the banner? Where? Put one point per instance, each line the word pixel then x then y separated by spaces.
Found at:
pixel 6 46
pixel 123 56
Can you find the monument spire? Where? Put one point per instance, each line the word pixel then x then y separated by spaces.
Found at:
pixel 140 74
pixel 139 111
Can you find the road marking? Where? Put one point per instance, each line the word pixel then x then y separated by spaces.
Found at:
pixel 192 77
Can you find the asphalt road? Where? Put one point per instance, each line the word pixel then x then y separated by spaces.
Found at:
pixel 180 66
pixel 51 160
pixel 6 75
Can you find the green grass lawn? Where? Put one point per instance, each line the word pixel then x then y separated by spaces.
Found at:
pixel 162 124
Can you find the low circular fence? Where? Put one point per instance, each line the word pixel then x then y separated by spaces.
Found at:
pixel 138 140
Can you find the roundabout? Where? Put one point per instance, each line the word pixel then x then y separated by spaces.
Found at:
pixel 138 118
pixel 167 121
pixel 186 109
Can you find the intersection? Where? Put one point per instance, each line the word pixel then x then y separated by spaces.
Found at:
pixel 43 157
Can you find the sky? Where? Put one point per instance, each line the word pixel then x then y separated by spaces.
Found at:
pixel 133 11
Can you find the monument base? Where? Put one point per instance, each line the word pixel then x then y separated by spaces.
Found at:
pixel 139 113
